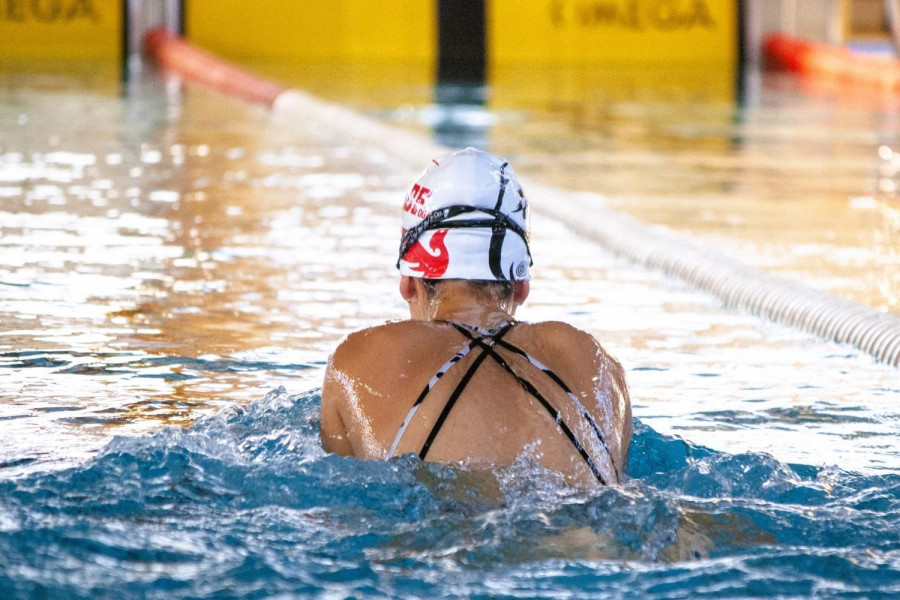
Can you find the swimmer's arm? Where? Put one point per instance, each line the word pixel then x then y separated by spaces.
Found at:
pixel 609 385
pixel 334 430
pixel 611 390
pixel 622 408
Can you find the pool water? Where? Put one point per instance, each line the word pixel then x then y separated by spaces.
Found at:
pixel 246 504
pixel 176 266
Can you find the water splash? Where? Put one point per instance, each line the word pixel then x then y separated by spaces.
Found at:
pixel 245 502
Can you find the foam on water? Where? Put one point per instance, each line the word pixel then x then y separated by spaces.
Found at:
pixel 246 503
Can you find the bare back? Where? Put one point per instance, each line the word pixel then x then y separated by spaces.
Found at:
pixel 375 377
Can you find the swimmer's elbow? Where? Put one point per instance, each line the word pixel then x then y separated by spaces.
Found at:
pixel 333 432
pixel 336 444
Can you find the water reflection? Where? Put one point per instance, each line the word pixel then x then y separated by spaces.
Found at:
pixel 459 117
pixel 788 184
pixel 170 252
pixel 152 274
pixel 792 180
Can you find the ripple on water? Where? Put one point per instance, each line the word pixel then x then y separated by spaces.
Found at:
pixel 246 500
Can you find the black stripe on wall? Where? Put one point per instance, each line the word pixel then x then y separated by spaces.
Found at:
pixel 462 41
pixel 742 52
pixel 126 32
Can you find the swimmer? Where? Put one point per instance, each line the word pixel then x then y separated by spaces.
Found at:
pixel 461 381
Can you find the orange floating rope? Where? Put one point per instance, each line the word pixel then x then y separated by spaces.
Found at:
pixel 175 53
pixel 811 58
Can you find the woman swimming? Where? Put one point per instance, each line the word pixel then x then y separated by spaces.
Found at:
pixel 461 381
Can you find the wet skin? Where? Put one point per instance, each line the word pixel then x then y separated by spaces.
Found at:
pixel 375 375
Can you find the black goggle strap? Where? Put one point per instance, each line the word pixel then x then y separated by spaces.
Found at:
pixel 438 220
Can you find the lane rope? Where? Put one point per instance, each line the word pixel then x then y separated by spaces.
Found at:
pixel 736 284
pixel 818 59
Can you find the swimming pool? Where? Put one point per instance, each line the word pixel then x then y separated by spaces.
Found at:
pixel 171 254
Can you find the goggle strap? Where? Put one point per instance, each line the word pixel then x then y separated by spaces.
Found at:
pixel 438 220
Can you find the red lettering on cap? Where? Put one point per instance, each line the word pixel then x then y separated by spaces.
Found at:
pixel 430 265
pixel 420 193
pixel 415 201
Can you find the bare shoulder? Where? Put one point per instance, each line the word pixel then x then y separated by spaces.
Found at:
pixel 379 343
pixel 565 340
pixel 355 354
pixel 581 356
pixel 396 348
pixel 560 330
pixel 353 377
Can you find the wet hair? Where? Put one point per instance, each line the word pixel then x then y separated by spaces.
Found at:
pixel 497 292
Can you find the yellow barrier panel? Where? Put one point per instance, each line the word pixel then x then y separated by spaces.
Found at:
pixel 403 30
pixel 61 29
pixel 586 89
pixel 634 31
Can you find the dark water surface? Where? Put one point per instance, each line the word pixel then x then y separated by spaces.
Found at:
pixel 245 504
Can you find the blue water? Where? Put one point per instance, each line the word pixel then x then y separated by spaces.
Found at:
pixel 246 504
pixel 168 253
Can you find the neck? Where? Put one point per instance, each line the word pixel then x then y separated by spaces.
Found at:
pixel 481 316
pixel 453 303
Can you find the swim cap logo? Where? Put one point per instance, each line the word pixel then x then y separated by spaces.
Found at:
pixel 432 266
pixel 415 201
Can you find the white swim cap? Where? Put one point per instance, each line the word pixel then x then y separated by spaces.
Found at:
pixel 466 217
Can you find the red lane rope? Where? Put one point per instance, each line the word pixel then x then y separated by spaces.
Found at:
pixel 783 301
pixel 176 54
pixel 811 58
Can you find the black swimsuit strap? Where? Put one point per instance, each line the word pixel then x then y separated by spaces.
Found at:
pixel 451 401
pixel 529 387
pixel 556 379
pixel 454 360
